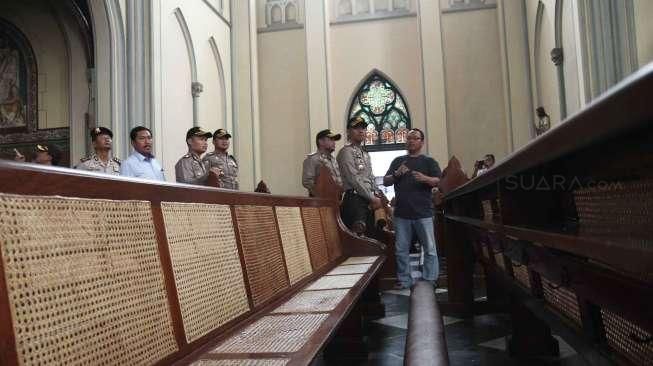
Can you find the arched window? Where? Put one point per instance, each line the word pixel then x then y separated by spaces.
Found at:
pixel 275 14
pixel 400 4
pixel 291 13
pixel 382 106
pixel 381 5
pixel 362 6
pixel 344 7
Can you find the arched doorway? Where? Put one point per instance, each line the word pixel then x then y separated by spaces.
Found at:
pixel 46 51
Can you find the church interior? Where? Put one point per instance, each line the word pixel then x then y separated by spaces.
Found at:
pixel 288 226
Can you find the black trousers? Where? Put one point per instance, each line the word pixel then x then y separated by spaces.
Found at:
pixel 356 209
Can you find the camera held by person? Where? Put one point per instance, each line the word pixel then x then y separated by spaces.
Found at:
pixel 482 166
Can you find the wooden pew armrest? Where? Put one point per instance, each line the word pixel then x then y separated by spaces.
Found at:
pixel 425 342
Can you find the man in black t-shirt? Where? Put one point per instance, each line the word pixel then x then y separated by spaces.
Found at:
pixel 414 176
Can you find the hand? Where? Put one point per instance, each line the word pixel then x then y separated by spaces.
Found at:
pixel 19 157
pixel 403 169
pixel 217 171
pixel 421 177
pixel 375 203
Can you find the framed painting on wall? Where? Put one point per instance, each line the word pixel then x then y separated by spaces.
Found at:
pixel 17 81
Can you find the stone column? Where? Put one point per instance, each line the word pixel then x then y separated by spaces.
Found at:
pixel 246 145
pixel 434 89
pixel 138 63
pixel 316 23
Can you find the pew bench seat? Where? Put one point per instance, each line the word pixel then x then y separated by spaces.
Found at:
pixel 295 329
pixel 117 271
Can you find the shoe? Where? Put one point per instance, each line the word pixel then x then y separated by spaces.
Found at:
pixel 401 286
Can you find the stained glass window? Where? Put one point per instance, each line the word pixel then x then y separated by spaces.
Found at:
pixel 381 105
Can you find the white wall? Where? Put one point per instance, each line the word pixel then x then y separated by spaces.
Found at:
pixel 572 82
pixel 391 46
pixel 644 28
pixel 395 45
pixel 102 38
pixel 515 50
pixel 474 86
pixel 283 92
pixel 544 74
pixel 471 79
pixel 210 39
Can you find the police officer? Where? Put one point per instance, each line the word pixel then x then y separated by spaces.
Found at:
pixel 326 145
pixel 101 160
pixel 358 180
pixel 44 154
pixel 220 159
pixel 190 168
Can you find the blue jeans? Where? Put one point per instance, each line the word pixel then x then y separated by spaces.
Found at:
pixel 423 228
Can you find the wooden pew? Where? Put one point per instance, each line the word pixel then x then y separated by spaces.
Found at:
pixel 562 228
pixel 326 187
pixel 111 270
pixel 453 177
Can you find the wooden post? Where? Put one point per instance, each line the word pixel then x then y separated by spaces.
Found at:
pixel 531 337
pixel 348 339
pixel 460 265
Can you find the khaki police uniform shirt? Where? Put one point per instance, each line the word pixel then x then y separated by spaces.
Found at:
pixel 191 169
pixel 311 169
pixel 227 164
pixel 94 164
pixel 356 171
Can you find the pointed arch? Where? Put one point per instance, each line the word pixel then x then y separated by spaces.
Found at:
pixel 190 48
pixel 557 55
pixel 381 104
pixel 110 104
pixel 223 89
pixel 536 51
pixel 276 15
pixel 291 13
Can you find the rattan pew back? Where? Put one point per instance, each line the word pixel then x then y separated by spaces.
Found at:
pixel 101 270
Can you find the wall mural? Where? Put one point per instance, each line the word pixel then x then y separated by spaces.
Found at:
pixel 14 80
pixel 18 99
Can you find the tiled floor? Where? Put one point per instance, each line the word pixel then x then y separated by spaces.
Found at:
pixel 476 341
